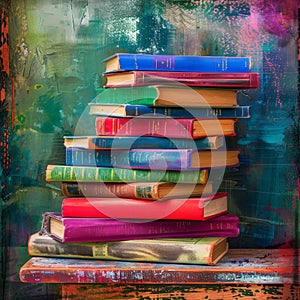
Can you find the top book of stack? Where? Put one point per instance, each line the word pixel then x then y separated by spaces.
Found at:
pixel 126 69
pixel 176 63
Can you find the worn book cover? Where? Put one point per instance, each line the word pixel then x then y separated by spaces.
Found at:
pixel 135 190
pixel 207 251
pixel 60 173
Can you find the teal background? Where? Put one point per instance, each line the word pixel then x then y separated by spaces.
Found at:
pixel 56 51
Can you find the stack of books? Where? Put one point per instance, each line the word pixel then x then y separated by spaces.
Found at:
pixel 140 188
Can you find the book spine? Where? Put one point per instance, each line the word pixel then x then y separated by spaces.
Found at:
pixel 174 209
pixel 203 112
pixel 150 142
pixel 184 63
pixel 103 230
pixel 94 174
pixel 179 128
pixel 145 159
pixel 225 80
pixel 88 157
pixel 132 250
pixel 135 95
pixel 122 190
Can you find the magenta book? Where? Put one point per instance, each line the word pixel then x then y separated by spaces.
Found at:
pixel 201 79
pixel 103 230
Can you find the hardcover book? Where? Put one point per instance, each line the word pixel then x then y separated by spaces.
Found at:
pixel 135 190
pixel 154 159
pixel 60 173
pixel 192 79
pixel 133 110
pixel 179 63
pixel 104 230
pixel 142 142
pixel 190 128
pixel 196 208
pixel 163 95
pixel 204 251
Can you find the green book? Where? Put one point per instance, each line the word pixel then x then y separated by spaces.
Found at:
pixel 98 174
pixel 163 95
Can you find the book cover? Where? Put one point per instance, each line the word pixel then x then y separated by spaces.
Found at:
pixel 135 190
pixel 104 230
pixel 192 79
pixel 60 173
pixel 189 128
pixel 153 159
pixel 134 110
pixel 196 208
pixel 204 251
pixel 163 95
pixel 180 63
pixel 142 142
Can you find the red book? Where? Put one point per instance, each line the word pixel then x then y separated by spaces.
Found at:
pixel 201 79
pixel 200 208
pixel 167 127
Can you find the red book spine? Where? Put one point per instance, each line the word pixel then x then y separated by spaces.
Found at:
pixel 179 128
pixel 172 209
pixel 200 79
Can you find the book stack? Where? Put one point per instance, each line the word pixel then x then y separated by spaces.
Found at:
pixel 143 187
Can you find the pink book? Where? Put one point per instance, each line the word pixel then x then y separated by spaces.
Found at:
pixel 201 79
pixel 103 230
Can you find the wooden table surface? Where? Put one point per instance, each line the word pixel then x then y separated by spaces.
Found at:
pixel 276 266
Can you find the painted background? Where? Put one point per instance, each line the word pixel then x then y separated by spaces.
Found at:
pixel 55 53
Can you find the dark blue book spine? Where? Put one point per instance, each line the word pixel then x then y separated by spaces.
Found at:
pixel 144 142
pixel 86 157
pixel 178 63
pixel 195 112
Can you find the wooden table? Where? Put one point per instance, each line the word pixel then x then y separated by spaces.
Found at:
pixel 246 274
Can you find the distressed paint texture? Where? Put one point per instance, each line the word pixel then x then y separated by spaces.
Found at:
pixel 56 48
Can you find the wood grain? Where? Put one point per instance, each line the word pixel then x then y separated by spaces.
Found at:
pixel 276 266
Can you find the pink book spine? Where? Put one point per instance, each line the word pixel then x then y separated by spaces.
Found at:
pixel 200 79
pixel 101 230
pixel 179 128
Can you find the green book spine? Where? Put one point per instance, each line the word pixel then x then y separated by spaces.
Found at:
pixel 145 95
pixel 96 174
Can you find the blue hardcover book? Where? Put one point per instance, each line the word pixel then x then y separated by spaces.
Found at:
pixel 142 142
pixel 132 110
pixel 153 159
pixel 176 63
